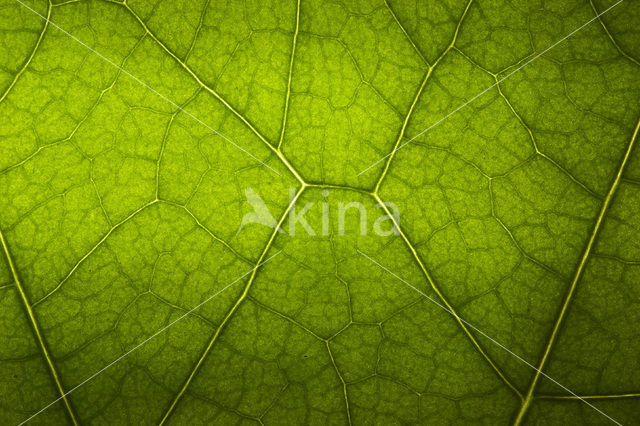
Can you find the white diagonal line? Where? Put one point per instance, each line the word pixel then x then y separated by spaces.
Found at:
pixel 492 86
pixel 489 337
pixel 148 87
pixel 93 376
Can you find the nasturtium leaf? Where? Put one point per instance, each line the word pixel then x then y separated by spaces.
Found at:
pixel 320 212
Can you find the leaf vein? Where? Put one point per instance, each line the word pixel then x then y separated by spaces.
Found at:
pixel 577 275
pixel 28 307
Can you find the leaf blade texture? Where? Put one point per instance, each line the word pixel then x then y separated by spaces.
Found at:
pixel 123 191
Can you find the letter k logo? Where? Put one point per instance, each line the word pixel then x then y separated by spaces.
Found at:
pixel 261 213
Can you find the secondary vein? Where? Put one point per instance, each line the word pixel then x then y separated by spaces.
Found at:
pixel 578 274
pixel 36 329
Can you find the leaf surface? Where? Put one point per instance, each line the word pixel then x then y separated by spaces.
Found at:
pixel 509 149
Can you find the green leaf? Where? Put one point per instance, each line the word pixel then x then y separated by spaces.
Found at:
pixel 135 138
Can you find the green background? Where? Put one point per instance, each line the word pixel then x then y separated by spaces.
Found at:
pixel 120 205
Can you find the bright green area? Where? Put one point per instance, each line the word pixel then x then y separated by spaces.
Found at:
pixel 119 212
